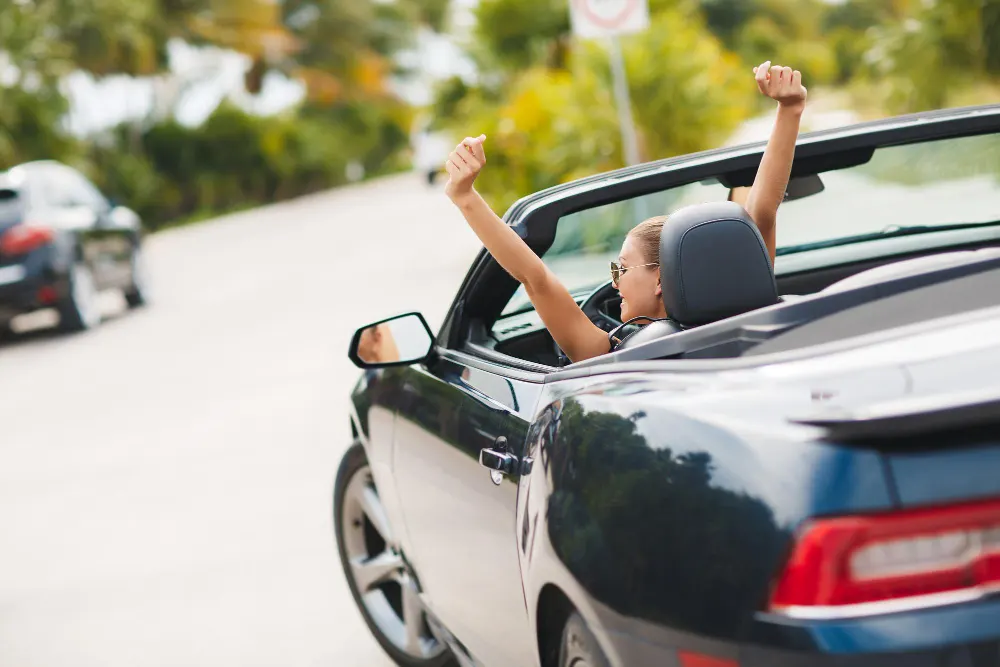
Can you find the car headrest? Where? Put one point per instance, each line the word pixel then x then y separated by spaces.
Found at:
pixel 713 264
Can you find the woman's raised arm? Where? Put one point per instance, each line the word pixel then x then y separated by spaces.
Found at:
pixel 578 337
pixel 784 85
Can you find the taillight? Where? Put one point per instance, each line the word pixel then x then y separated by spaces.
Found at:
pixel 885 562
pixel 24 238
pixel 689 659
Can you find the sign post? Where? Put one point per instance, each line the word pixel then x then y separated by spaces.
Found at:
pixel 610 19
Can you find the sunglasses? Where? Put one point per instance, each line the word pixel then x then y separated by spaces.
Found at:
pixel 617 271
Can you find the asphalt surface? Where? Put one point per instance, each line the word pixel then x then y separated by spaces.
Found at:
pixel 165 480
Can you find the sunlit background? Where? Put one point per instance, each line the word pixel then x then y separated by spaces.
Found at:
pixel 166 477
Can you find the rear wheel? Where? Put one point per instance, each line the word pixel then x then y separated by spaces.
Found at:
pixel 579 646
pixel 380 580
pixel 137 293
pixel 81 309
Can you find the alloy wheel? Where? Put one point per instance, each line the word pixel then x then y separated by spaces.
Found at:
pixel 385 585
pixel 84 296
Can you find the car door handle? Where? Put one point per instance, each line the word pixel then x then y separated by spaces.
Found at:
pixel 498 460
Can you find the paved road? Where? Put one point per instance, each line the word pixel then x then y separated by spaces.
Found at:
pixel 165 480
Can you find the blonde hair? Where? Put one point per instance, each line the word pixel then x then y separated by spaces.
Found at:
pixel 647 234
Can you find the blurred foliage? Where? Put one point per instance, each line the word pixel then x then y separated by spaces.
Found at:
pixel 689 93
pixel 237 160
pixel 349 125
pixel 557 120
pixel 515 34
pixel 28 119
pixel 923 52
pixel 552 127
pixel 544 98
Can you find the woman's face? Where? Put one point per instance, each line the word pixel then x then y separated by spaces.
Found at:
pixel 639 285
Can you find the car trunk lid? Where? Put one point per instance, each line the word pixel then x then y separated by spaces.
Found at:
pixel 940 435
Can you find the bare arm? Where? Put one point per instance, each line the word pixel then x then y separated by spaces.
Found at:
pixel 578 337
pixel 784 85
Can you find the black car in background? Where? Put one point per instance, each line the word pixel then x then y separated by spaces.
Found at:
pixel 62 242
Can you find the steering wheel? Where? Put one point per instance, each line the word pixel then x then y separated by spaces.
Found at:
pixel 592 307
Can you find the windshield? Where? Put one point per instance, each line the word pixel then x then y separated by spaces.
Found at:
pixel 930 184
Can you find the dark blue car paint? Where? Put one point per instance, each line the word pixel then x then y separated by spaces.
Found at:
pixel 967 473
pixel 40 269
pixel 661 504
pixel 104 244
pixel 661 500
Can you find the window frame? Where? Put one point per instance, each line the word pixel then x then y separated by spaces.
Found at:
pixel 487 288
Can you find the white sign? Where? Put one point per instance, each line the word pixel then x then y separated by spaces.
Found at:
pixel 608 18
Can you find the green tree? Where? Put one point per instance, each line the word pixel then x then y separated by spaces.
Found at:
pixel 689 93
pixel 432 13
pixel 345 50
pixel 31 105
pixel 552 125
pixel 514 35
pixel 934 49
pixel 727 18
pixel 111 36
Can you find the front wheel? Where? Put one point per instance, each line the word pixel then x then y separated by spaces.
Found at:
pixel 81 310
pixel 381 583
pixel 579 645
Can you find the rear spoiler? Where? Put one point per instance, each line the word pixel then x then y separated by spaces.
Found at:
pixel 909 417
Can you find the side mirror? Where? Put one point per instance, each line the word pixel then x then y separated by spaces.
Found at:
pixel 397 341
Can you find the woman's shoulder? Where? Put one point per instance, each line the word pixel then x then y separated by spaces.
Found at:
pixel 628 331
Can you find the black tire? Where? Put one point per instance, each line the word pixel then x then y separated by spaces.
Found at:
pixel 79 311
pixel 136 293
pixel 355 459
pixel 579 647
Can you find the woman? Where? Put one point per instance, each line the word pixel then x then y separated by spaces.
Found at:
pixel 636 275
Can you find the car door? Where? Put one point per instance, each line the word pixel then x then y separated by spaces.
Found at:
pixel 460 518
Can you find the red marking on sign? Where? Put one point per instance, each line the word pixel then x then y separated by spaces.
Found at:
pixel 604 22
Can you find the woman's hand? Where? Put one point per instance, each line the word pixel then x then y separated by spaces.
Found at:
pixel 782 84
pixel 464 165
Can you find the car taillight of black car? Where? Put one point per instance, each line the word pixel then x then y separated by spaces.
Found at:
pixel 23 238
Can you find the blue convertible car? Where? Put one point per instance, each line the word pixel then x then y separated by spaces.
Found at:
pixel 801 467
